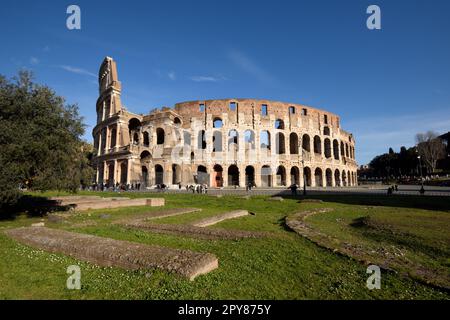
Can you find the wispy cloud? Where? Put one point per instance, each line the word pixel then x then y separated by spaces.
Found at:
pixel 46 49
pixel 172 75
pixel 78 71
pixel 34 61
pixel 205 78
pixel 251 67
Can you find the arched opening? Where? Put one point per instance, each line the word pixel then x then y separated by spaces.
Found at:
pixel 307 176
pixel 329 177
pixel 160 136
pixel 336 149
pixel 306 143
pixel 317 145
pixel 146 156
pixel 279 124
pixel 202 175
pixel 111 181
pixel 344 179
pixel 217 141
pixel 326 131
pixel 295 176
pixel 249 137
pixel 146 139
pixel 113 138
pixel 249 175
pixel 159 174
pixel 123 172
pixel 217 123
pixel 192 157
pixel 266 176
pixel 337 178
pixel 346 151
pixel 144 174
pixel 293 143
pixel 233 141
pixel 176 174
pixel 349 179
pixel 327 144
pixel 318 177
pixel 233 175
pixel 136 138
pixel 342 149
pixel 281 176
pixel 218 176
pixel 201 141
pixel 280 143
pixel 265 140
pixel 177 122
pixel 134 124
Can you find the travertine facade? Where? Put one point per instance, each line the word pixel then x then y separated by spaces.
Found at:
pixel 227 142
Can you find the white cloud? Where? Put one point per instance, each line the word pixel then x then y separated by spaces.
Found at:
pixel 249 66
pixel 205 79
pixel 78 71
pixel 34 61
pixel 172 75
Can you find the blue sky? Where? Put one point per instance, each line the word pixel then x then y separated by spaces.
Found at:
pixel 386 85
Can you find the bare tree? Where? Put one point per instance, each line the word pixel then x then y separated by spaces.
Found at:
pixel 431 148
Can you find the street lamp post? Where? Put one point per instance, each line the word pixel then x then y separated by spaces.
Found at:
pixel 420 166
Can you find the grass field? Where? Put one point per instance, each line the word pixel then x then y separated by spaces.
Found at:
pixel 281 266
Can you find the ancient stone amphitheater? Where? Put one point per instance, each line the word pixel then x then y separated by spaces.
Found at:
pixel 221 143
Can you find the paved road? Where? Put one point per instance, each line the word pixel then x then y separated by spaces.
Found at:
pixel 402 190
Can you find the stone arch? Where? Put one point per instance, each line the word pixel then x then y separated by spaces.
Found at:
pixel 201 140
pixel 329 177
pixel 293 143
pixel 326 131
pixel 249 137
pixel 306 143
pixel 266 176
pixel 307 176
pixel 295 175
pixel 342 149
pixel 336 149
pixel 279 124
pixel 349 178
pixel 281 176
pixel 344 178
pixel 113 141
pixel 233 176
pixel 337 178
pixel 217 141
pixel 202 175
pixel 218 176
pixel 177 121
pixel 146 156
pixel 124 172
pixel 233 140
pixel 176 174
pixel 265 140
pixel 318 176
pixel 146 139
pixel 346 151
pixel 317 145
pixel 327 146
pixel 160 136
pixel 280 143
pixel 217 123
pixel 144 177
pixel 249 175
pixel 159 174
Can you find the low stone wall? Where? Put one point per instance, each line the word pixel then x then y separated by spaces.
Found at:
pixel 216 219
pixel 194 232
pixel 109 203
pixel 109 252
pixel 156 215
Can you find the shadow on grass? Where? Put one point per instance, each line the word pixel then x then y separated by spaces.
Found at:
pixel 32 206
pixel 404 201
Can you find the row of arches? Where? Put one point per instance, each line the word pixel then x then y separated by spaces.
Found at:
pixel 264 177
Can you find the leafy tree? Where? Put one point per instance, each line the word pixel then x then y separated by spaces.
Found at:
pixel 40 140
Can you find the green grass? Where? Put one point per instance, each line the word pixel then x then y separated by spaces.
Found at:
pixel 282 266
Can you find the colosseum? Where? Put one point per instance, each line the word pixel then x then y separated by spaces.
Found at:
pixel 221 143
